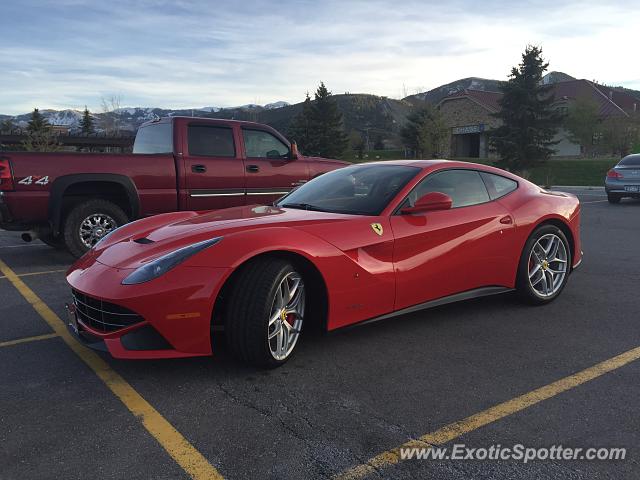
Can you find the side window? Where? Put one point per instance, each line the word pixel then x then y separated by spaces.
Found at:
pixel 465 187
pixel 209 141
pixel 261 144
pixel 497 185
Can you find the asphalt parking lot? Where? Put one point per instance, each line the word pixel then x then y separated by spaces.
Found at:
pixel 342 405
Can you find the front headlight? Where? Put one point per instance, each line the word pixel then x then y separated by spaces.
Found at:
pixel 162 265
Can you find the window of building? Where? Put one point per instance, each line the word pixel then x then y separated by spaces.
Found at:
pixel 210 141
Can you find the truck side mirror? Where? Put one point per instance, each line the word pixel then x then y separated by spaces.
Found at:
pixel 294 151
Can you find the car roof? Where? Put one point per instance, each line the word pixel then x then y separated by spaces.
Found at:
pixel 424 164
pixel 205 119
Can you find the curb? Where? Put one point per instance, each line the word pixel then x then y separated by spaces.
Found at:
pixel 579 187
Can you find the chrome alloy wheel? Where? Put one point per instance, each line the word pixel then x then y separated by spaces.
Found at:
pixel 287 312
pixel 548 265
pixel 94 227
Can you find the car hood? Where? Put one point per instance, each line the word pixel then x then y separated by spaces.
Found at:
pixel 148 239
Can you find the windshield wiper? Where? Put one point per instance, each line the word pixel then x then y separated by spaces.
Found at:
pixel 302 206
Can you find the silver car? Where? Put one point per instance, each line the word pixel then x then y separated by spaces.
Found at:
pixel 623 180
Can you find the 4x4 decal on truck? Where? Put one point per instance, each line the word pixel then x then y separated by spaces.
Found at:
pixel 34 179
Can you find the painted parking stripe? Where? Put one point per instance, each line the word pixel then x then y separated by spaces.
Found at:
pixel 478 420
pixel 18 341
pixel 31 274
pixel 185 454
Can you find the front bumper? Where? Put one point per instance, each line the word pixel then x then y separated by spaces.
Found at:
pixel 173 312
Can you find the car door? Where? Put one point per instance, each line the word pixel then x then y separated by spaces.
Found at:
pixel 270 170
pixel 440 253
pixel 214 171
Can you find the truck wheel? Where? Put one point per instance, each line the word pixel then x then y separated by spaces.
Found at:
pixel 613 198
pixel 265 312
pixel 88 222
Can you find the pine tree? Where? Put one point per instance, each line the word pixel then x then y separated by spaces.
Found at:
pixel 37 123
pixel 301 129
pixel 330 139
pixel 86 124
pixel 529 122
pixel 39 136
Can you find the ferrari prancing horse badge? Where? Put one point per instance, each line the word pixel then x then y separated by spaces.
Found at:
pixel 377 228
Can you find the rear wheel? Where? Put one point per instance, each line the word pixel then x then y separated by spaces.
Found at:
pixel 88 222
pixel 266 312
pixel 544 266
pixel 613 198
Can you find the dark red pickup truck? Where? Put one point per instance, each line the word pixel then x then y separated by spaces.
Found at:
pixel 180 163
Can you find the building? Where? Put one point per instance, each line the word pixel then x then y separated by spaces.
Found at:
pixel 468 115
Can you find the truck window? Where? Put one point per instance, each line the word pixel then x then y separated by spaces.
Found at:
pixel 261 144
pixel 155 138
pixel 209 141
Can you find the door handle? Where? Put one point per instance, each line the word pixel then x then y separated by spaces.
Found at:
pixel 253 168
pixel 198 168
pixel 506 220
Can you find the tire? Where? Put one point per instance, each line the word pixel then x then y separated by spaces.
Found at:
pixel 55 242
pixel 613 198
pixel 81 215
pixel 252 313
pixel 531 287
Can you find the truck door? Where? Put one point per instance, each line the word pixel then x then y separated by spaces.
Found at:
pixel 214 171
pixel 270 170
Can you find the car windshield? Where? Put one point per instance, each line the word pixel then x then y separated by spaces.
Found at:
pixel 630 161
pixel 357 190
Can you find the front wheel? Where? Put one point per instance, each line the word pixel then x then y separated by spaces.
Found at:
pixel 88 222
pixel 266 312
pixel 544 266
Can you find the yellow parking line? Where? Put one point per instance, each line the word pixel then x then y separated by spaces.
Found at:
pixel 28 339
pixel 185 454
pixel 474 422
pixel 31 274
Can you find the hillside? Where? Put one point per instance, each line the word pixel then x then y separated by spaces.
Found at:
pixel 472 83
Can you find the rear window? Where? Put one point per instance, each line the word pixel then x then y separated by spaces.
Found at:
pixel 630 161
pixel 155 138
pixel 497 185
pixel 209 141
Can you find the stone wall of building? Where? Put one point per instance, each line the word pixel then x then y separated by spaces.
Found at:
pixel 461 112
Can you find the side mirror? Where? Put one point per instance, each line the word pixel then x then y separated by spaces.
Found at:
pixel 294 151
pixel 430 202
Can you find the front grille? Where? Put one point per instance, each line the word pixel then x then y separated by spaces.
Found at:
pixel 103 316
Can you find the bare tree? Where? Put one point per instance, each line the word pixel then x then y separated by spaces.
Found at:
pixel 110 109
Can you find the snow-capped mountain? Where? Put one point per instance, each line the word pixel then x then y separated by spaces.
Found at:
pixel 130 118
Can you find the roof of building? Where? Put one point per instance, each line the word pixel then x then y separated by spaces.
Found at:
pixel 586 90
pixel 488 100
pixel 610 102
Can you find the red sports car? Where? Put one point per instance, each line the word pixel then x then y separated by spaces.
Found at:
pixel 361 243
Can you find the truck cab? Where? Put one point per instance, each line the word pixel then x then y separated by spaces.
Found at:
pixel 72 200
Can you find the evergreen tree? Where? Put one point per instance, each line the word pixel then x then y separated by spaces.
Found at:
pixel 318 128
pixel 425 132
pixel 39 135
pixel 529 122
pixel 330 140
pixel 37 123
pixel 301 130
pixel 86 124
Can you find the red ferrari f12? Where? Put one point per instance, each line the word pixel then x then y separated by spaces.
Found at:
pixel 361 243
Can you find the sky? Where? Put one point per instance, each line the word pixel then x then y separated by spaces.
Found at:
pixel 189 54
